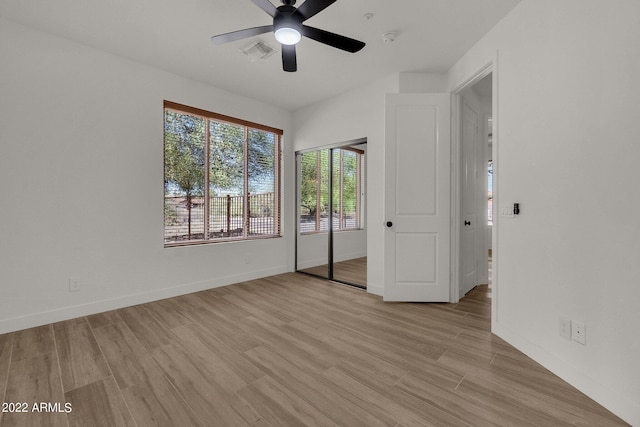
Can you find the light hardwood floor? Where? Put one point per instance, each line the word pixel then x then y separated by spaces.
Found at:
pixel 352 271
pixel 288 350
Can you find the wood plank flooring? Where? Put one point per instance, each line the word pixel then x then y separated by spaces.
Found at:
pixel 352 271
pixel 288 350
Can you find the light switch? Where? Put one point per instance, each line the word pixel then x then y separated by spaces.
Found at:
pixel 507 211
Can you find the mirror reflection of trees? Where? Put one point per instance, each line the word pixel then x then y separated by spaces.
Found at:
pixel 314 190
pixel 340 256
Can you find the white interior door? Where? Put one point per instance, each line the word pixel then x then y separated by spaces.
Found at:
pixel 417 197
pixel 470 230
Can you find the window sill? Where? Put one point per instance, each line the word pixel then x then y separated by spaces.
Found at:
pixel 213 242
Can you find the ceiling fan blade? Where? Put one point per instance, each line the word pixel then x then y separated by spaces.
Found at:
pixel 267 6
pixel 241 34
pixel 332 39
pixel 289 62
pixel 311 7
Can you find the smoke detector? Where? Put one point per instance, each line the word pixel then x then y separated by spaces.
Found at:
pixel 389 37
pixel 258 51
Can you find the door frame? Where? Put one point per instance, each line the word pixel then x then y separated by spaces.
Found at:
pixel 456 190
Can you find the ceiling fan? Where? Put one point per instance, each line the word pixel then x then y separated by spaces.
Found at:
pixel 288 28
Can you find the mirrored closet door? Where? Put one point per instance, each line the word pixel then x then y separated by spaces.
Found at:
pixel 331 238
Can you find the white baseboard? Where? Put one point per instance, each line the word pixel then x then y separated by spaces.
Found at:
pixel 375 290
pixel 65 313
pixel 349 256
pixel 311 263
pixel 614 401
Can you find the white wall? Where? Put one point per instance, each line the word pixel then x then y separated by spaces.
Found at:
pixel 566 146
pixel 313 248
pixel 81 167
pixel 422 82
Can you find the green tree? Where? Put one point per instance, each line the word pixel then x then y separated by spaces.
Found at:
pixel 349 182
pixel 345 181
pixel 309 182
pixel 312 177
pixel 261 151
pixel 227 156
pixel 184 148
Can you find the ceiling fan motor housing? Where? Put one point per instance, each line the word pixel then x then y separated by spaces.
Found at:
pixel 286 18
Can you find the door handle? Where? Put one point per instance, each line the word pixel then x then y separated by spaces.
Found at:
pixel 467 223
pixel 389 224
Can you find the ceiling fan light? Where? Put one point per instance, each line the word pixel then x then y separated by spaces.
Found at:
pixel 287 35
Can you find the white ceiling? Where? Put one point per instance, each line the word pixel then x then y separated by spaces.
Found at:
pixel 174 35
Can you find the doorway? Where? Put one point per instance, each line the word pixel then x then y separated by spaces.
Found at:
pixel 331 240
pixel 476 184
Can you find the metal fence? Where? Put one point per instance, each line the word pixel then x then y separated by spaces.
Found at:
pixel 310 223
pixel 227 218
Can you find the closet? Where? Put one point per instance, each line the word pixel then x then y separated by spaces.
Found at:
pixel 331 240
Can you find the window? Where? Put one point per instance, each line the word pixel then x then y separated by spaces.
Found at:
pixel 221 177
pixel 314 190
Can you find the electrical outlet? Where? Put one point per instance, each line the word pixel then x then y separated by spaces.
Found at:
pixel 579 332
pixel 74 285
pixel 564 328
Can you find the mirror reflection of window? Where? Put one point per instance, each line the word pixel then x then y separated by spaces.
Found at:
pixel 331 214
pixel 314 191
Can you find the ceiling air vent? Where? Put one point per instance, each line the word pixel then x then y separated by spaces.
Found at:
pixel 259 50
